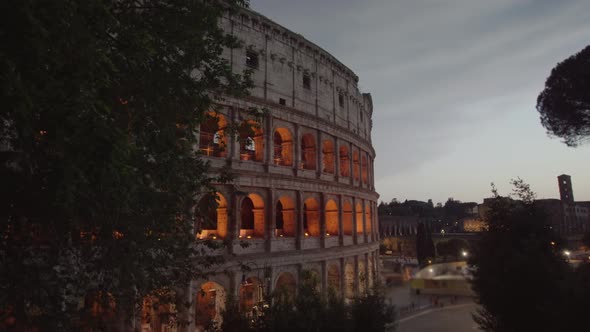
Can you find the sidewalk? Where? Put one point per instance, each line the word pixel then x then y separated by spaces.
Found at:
pixel 408 303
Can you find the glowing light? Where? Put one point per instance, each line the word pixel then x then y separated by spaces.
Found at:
pixel 464 253
pixel 552 243
pixel 306 234
pixel 248 237
pixel 214 237
pixel 430 270
pixel 327 234
pixel 566 252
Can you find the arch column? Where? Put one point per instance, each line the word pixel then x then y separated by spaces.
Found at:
pixel 233 147
pixel 324 277
pixel 322 211
pixel 342 278
pixel 297 149
pixel 270 220
pixel 355 284
pixel 364 208
pixel 354 231
pixel 340 220
pixel 336 158
pixel 366 272
pixel 299 215
pixel 318 154
pixel 351 163
pixel 268 140
pixel 233 223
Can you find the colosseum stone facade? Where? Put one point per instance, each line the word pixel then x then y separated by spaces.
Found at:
pixel 304 195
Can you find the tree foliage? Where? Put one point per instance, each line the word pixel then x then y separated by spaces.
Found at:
pixel 564 104
pixel 101 101
pixel 312 311
pixel 521 278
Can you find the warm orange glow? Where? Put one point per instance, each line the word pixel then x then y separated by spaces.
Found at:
pixel 42 132
pixel 306 234
pixel 248 237
pixel 117 235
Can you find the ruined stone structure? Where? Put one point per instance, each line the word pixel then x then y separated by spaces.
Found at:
pixel 304 196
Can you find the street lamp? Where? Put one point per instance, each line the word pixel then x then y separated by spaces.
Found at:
pixel 464 253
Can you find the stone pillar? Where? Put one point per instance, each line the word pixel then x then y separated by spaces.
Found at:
pixel 234 221
pixel 340 220
pixel 299 212
pixel 356 273
pixel 351 163
pixel 319 155
pixel 322 211
pixel 268 139
pixel 336 159
pixel 269 234
pixel 234 147
pixel 364 207
pixel 354 230
pixel 342 278
pixel 324 278
pixel 296 148
pixel 366 272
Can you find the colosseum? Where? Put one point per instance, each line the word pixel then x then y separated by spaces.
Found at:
pixel 304 196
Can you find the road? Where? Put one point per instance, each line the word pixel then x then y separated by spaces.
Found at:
pixel 453 318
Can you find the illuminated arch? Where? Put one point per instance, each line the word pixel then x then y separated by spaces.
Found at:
pixel 251 295
pixel 364 170
pixel 212 138
pixel 286 285
pixel 332 227
pixel 210 304
pixel 347 218
pixel 359 218
pixel 211 220
pixel 344 161
pixel 355 165
pixel 311 217
pixel 285 219
pixel 328 156
pixel 251 141
pixel 283 147
pixel 252 217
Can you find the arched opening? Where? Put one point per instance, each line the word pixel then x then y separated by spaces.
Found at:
pixel 157 313
pixel 212 139
pixel 308 152
pixel 344 161
pixel 334 278
pixel 311 217
pixel 100 309
pixel 251 296
pixel 359 218
pixel 355 165
pixel 210 304
pixel 347 218
pixel 251 141
pixel 368 216
pixel 328 156
pixel 332 218
pixel 364 170
pixel 349 277
pixel 252 217
pixel 283 147
pixel 211 217
pixel 286 286
pixel 286 222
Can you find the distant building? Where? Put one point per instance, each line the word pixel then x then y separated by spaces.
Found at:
pixel 567 216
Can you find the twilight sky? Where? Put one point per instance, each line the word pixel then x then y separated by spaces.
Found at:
pixel 454 86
